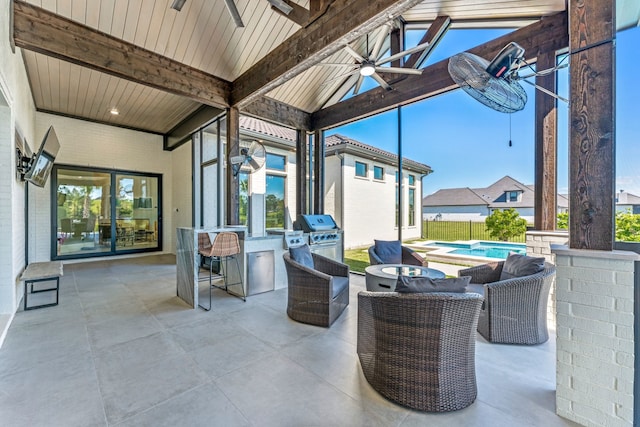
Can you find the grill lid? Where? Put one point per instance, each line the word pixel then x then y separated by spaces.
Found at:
pixel 311 223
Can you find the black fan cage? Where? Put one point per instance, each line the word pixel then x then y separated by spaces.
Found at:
pixel 502 94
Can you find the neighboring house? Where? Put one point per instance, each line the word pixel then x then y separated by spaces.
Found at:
pixel 363 175
pixel 475 204
pixel 627 202
pixel 361 191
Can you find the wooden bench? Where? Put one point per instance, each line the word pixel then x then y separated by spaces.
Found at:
pixel 41 272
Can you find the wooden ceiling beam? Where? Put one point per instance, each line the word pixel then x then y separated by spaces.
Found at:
pixel 298 14
pixel 44 32
pixel 547 35
pixel 343 22
pixel 434 34
pixel 278 112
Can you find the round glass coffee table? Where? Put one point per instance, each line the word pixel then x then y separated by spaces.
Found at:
pixel 383 277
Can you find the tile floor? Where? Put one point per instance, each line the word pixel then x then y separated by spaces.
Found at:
pixel 122 349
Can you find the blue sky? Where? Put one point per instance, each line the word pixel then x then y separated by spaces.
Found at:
pixel 467 143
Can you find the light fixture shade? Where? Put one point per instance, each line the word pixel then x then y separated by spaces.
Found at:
pixel 367 69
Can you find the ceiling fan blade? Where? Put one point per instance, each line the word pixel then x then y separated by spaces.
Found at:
pixel 340 76
pixel 379 42
pixel 233 11
pixel 380 81
pixel 398 70
pixel 338 64
pixel 353 53
pixel 403 53
pixel 356 88
pixel 281 6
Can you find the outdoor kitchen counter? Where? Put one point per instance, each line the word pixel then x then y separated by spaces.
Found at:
pixel 187 260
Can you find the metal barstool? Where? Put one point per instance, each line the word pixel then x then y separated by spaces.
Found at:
pixel 225 245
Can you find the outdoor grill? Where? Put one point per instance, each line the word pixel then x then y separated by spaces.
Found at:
pixel 322 234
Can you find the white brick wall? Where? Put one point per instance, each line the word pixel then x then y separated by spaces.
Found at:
pixel 595 342
pixel 18 112
pixel 539 244
pixel 84 143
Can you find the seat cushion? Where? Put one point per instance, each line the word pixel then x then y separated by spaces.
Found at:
pixel 418 284
pixel 340 283
pixel 389 251
pixel 302 255
pixel 517 265
pixel 477 288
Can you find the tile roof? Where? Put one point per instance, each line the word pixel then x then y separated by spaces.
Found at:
pixel 332 142
pixel 336 141
pixel 266 128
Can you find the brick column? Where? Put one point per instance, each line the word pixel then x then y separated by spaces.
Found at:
pixel 594 336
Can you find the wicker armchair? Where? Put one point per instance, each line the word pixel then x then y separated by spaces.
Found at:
pixel 317 296
pixel 418 350
pixel 515 310
pixel 409 257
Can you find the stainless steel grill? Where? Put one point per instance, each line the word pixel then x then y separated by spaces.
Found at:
pixel 323 235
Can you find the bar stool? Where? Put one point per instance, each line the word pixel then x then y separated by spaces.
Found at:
pixel 225 245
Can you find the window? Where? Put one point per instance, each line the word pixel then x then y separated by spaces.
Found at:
pixel 412 206
pixel 276 162
pixel 397 177
pixel 397 204
pixel 243 179
pixel 412 180
pixel 361 169
pixel 512 196
pixel 378 173
pixel 274 201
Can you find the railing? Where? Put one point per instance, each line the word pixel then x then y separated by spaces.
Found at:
pixel 459 230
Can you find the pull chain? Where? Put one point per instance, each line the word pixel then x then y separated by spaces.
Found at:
pixel 510 143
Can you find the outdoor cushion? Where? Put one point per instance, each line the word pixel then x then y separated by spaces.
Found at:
pixel 389 251
pixel 302 255
pixel 517 265
pixel 477 288
pixel 418 284
pixel 340 283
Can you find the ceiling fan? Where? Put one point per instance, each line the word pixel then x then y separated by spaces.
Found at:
pixel 496 83
pixel 233 10
pixel 371 63
pixel 250 159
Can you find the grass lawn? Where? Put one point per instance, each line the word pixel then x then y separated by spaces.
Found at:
pixel 357 259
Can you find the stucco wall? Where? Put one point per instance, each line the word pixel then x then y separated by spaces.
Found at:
pixel 369 204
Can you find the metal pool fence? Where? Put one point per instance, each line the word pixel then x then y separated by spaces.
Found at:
pixel 459 230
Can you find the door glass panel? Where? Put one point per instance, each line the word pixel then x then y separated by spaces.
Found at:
pixel 210 195
pixel 136 212
pixel 82 206
pixel 274 201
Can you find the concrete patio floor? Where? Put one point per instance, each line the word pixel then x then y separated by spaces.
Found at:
pixel 122 349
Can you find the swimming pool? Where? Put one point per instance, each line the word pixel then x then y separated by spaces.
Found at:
pixel 484 249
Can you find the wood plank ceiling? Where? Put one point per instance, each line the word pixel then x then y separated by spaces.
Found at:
pixel 203 36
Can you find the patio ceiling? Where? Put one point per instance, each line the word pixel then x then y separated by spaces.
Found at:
pixel 202 37
pixel 176 62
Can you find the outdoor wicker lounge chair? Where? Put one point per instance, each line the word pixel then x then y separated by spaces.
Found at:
pixel 317 295
pixel 418 349
pixel 408 256
pixel 515 310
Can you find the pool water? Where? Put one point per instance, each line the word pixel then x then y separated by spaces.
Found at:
pixel 483 249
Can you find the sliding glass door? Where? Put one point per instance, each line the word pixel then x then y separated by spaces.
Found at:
pixel 102 212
